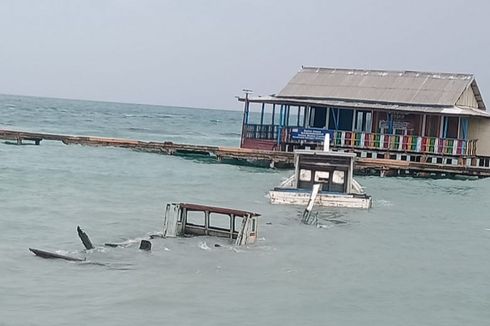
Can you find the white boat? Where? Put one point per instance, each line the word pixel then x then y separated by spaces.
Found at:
pixel 333 171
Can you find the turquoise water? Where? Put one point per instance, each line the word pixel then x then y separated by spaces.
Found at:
pixel 421 256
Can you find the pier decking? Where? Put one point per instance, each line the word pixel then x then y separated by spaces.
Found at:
pixel 265 158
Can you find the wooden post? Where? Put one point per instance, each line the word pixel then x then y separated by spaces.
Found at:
pixel 441 127
pixel 244 121
pixel 206 222
pixel 296 170
pixel 350 175
pixel 262 114
pixel 279 129
pixel 273 113
pixel 327 122
pixel 354 112
pixel 305 115
pixel 459 126
pixel 288 108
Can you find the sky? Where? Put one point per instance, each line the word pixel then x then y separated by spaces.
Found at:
pixel 203 53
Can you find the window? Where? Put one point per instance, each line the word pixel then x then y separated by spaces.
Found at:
pixel 238 224
pixel 451 127
pixel 318 117
pixel 304 175
pixel 463 130
pixel 432 123
pixel 363 121
pixel 219 221
pixel 322 176
pixel 196 218
pixel 338 181
pixel 338 177
pixel 340 119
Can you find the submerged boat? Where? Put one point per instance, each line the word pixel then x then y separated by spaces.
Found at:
pixel 183 219
pixel 332 172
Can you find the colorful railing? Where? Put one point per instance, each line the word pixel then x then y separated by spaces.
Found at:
pixel 374 141
pixel 401 143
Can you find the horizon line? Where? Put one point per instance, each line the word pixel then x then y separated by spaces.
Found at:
pixel 118 102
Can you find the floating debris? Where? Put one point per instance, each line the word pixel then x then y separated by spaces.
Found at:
pixel 85 239
pixel 145 245
pixel 238 225
pixel 52 255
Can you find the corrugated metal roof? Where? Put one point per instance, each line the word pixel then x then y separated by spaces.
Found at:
pixel 378 86
pixel 428 109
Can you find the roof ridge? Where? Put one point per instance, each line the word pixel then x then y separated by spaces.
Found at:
pixel 387 71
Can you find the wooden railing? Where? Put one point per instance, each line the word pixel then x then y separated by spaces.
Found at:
pixel 401 143
pixel 255 131
pixel 374 141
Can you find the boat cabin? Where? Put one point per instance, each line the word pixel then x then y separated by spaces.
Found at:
pixel 183 219
pixel 332 171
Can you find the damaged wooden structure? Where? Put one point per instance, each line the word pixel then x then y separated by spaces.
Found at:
pixel 364 163
pixel 183 219
pixel 87 243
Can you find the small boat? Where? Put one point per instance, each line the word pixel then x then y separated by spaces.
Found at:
pixel 183 219
pixel 332 172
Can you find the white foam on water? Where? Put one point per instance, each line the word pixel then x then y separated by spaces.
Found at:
pixel 324 226
pixel 203 245
pixel 383 203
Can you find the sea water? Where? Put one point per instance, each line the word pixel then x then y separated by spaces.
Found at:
pixel 420 256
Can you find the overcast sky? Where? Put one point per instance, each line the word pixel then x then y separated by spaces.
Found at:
pixel 203 53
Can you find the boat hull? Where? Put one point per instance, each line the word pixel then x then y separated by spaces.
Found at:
pixel 294 197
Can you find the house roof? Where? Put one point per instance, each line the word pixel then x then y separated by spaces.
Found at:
pixel 402 87
pixel 382 89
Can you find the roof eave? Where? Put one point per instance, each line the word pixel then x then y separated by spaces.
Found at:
pixel 478 96
pixel 427 109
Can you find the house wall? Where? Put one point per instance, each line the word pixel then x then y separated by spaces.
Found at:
pixel 467 99
pixel 480 129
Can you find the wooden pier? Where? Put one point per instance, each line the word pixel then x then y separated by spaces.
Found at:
pixel 264 158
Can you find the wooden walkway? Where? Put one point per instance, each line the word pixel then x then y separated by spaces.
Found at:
pixel 248 156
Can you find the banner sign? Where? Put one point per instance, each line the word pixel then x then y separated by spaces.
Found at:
pixel 310 134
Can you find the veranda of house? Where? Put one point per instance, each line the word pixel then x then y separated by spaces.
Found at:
pixel 383 112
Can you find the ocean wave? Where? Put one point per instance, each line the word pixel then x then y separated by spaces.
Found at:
pixel 230 134
pixel 383 203
pixel 147 116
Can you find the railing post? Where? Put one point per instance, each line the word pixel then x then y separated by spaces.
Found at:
pixel 262 114
pixel 273 113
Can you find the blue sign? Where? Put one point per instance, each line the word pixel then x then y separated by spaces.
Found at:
pixel 310 134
